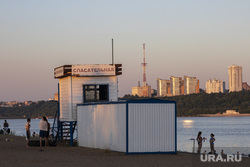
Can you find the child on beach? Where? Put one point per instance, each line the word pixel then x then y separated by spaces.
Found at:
pixel 212 140
pixel 27 127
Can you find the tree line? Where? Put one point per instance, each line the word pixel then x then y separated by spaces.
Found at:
pixel 187 105
pixel 203 103
pixel 34 110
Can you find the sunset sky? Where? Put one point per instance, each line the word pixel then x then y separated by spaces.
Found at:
pixel 198 38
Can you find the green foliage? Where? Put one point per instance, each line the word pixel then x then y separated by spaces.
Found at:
pixel 194 104
pixel 187 105
pixel 35 110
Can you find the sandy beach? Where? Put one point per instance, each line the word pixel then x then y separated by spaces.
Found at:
pixel 14 153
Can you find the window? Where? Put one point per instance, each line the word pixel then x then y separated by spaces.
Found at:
pixel 94 93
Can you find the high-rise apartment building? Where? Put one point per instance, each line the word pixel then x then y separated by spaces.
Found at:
pixel 191 85
pixel 215 86
pixel 163 87
pixel 176 86
pixel 235 78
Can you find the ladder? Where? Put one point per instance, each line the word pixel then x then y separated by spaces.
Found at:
pixel 66 131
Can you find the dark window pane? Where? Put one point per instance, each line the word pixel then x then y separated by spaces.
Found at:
pixel 103 92
pixel 95 93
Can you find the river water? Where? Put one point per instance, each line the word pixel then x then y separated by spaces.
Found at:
pixel 228 131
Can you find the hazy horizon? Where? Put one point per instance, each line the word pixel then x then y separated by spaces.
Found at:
pixel 192 38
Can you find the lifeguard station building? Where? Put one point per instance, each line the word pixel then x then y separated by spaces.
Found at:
pixel 88 99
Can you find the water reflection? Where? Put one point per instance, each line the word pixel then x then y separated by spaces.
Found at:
pixel 188 123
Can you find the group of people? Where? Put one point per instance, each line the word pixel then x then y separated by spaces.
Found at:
pixel 199 139
pixel 44 127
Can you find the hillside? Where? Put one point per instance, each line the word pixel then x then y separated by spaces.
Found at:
pixel 35 110
pixel 192 105
pixel 188 105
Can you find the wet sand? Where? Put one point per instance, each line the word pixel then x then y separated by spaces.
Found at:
pixel 14 153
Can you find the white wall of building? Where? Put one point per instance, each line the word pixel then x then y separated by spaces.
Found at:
pixel 102 126
pixel 128 127
pixel 71 93
pixel 151 127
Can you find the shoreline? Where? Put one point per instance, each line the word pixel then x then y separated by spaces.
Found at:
pixel 24 118
pixel 199 115
pixel 224 115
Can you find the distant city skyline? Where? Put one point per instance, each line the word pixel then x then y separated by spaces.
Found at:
pixel 192 38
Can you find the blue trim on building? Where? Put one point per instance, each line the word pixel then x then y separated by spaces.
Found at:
pixel 71 133
pixel 97 103
pixel 151 100
pixel 58 116
pixel 127 128
pixel 61 131
pixel 175 128
pixel 58 101
pixel 127 102
pixel 170 152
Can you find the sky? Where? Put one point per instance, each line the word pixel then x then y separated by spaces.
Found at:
pixel 192 38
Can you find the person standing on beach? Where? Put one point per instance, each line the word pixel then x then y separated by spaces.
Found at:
pixel 199 140
pixel 212 140
pixel 6 127
pixel 43 126
pixel 47 135
pixel 27 127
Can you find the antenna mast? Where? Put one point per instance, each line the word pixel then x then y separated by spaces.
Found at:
pixel 144 64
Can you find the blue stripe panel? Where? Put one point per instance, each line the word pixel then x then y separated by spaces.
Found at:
pixel 58 101
pixel 171 152
pixel 175 128
pixel 71 134
pixel 151 100
pixel 101 103
pixel 127 128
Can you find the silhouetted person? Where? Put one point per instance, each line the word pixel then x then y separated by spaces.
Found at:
pixel 43 126
pixel 199 140
pixel 27 127
pixel 6 127
pixel 212 140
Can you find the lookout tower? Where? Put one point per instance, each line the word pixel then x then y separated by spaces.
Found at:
pixel 79 84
